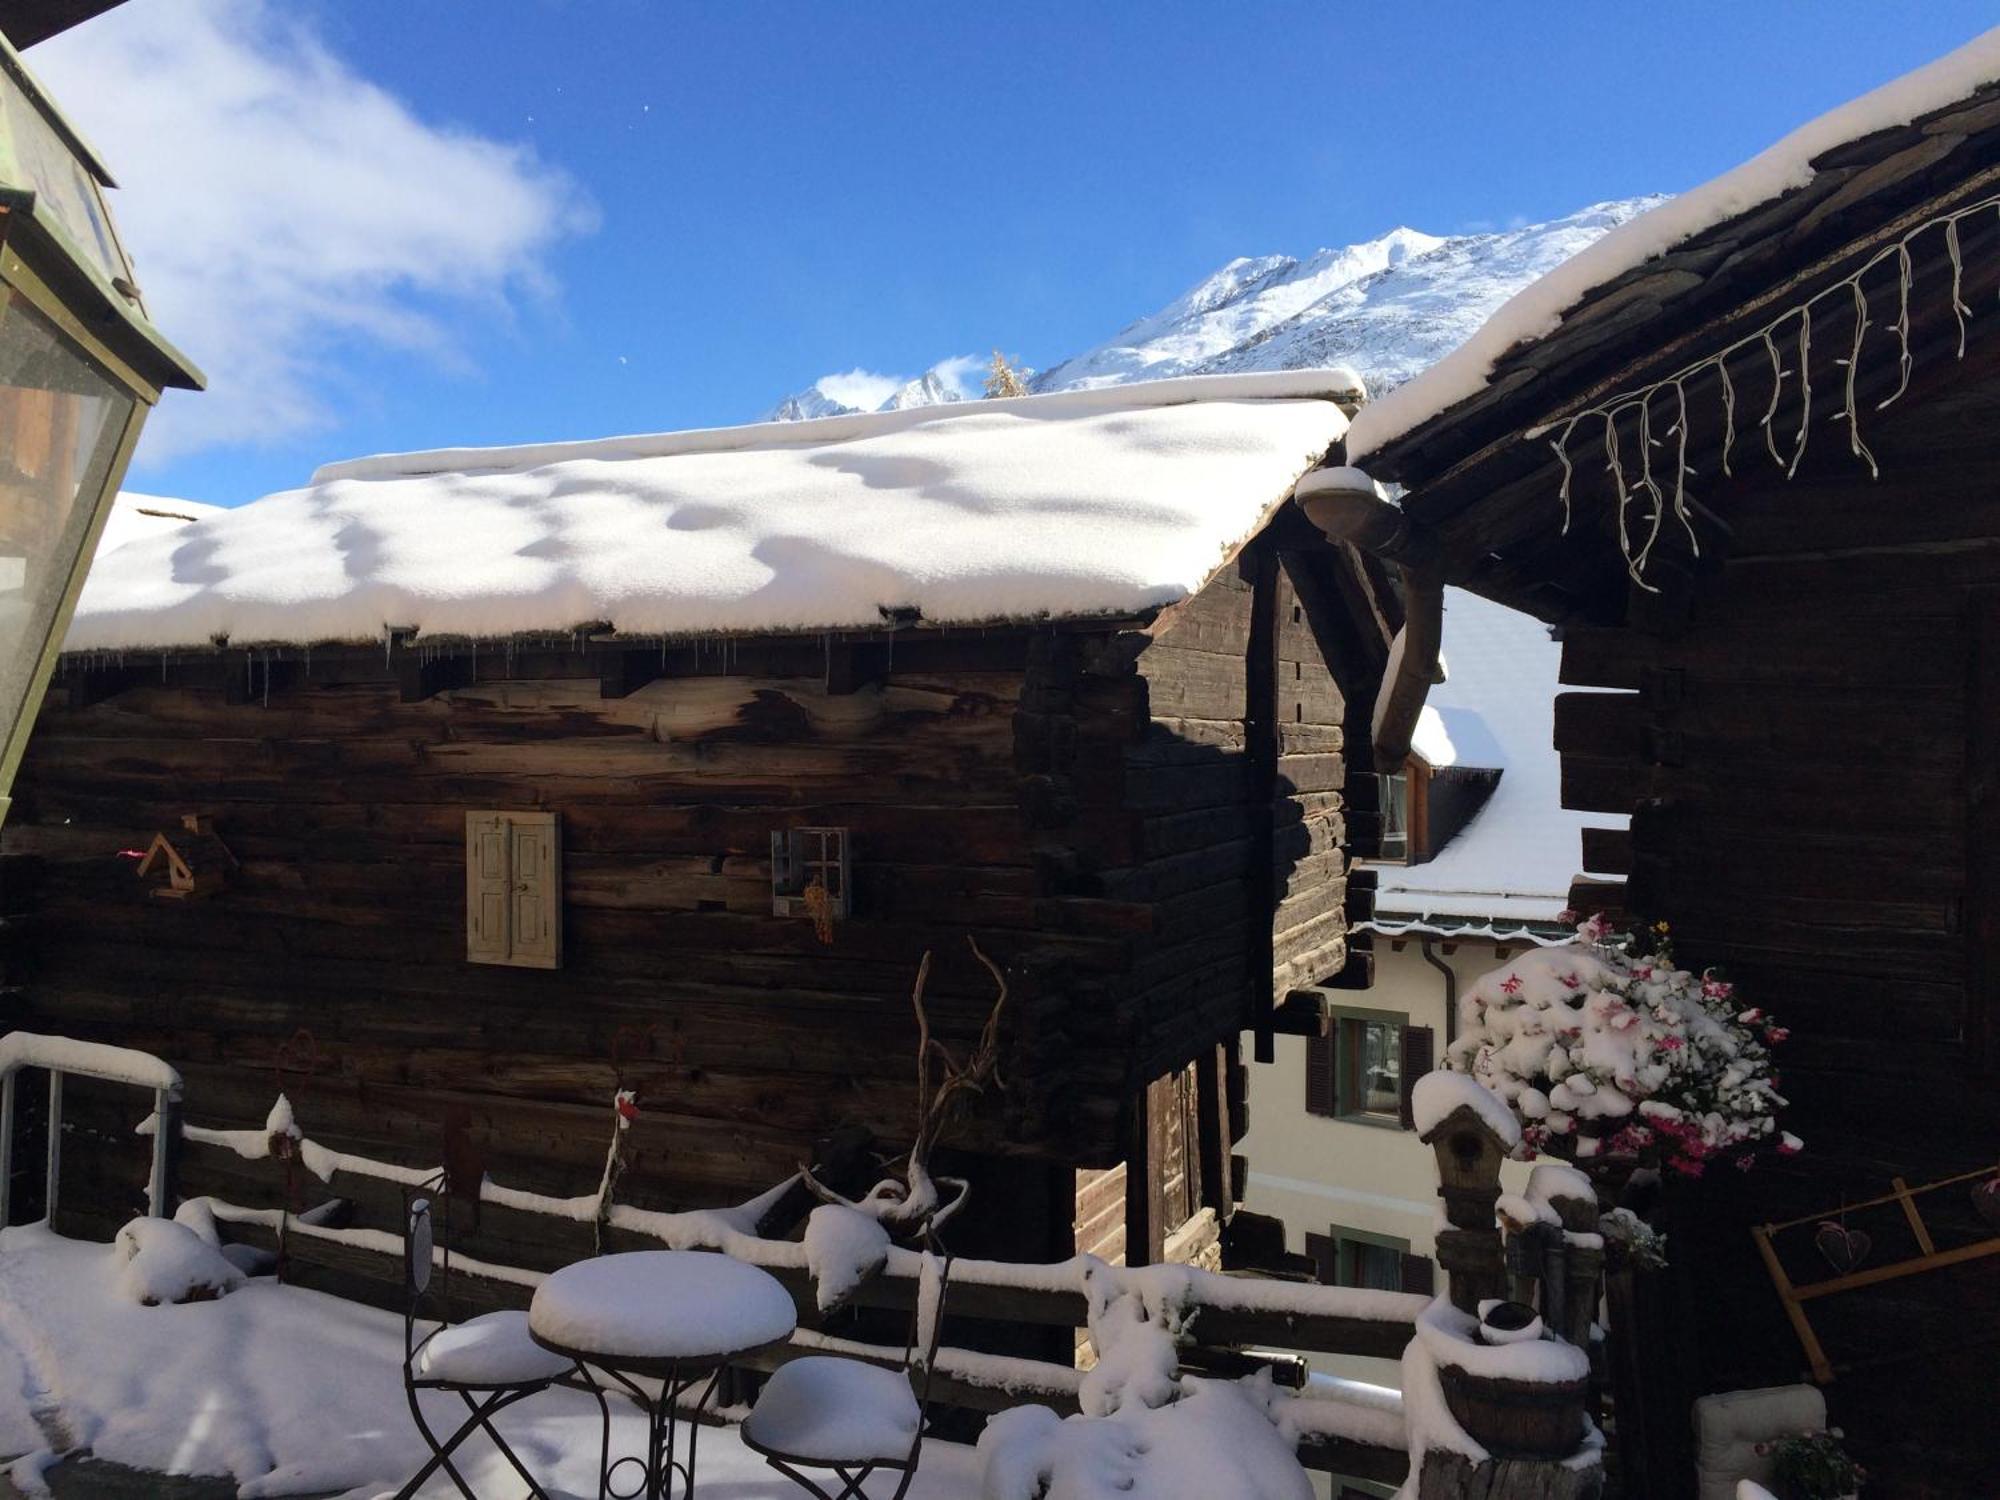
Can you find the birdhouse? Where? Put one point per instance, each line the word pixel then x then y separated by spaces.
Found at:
pixel 194 861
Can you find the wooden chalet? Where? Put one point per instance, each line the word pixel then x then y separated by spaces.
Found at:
pixel 1753 473
pixel 1088 704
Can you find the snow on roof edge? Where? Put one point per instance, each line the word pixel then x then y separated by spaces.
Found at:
pixel 1263 385
pixel 1538 309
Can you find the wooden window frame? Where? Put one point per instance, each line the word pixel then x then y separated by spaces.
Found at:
pixel 1332 1087
pixel 1339 1250
pixel 1415 777
pixel 497 871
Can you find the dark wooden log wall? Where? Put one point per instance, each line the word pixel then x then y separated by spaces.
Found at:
pixel 1809 760
pixel 1080 799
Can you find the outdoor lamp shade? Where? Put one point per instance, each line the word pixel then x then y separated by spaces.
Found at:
pixel 80 367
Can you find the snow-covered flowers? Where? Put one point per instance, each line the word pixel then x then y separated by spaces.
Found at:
pixel 1604 1054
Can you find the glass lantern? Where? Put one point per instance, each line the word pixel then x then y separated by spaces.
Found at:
pixel 80 367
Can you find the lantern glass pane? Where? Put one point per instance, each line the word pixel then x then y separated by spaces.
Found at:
pixel 62 183
pixel 61 420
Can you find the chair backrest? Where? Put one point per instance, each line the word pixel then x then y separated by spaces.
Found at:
pixel 426 1286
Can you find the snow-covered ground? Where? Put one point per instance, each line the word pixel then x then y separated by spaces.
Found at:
pixel 289 1391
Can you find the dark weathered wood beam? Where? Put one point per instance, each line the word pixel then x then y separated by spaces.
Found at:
pixel 418 678
pixel 622 673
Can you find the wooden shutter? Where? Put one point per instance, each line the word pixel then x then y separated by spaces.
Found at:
pixel 513 889
pixel 1324 1252
pixel 487 904
pixel 537 893
pixel 1419 1274
pixel 1319 1071
pixel 1419 1055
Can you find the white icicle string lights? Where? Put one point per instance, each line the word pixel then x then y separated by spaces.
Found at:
pixel 1637 542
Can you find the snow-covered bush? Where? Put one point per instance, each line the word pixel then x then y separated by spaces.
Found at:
pixel 164 1260
pixel 1602 1052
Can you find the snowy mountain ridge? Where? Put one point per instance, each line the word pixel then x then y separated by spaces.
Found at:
pixel 1387 307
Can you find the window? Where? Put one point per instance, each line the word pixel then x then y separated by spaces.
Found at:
pixel 1394 793
pixel 809 874
pixel 513 889
pixel 1355 1257
pixel 1365 1065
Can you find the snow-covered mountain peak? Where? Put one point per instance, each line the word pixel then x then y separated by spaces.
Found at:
pixel 1386 308
pixel 843 395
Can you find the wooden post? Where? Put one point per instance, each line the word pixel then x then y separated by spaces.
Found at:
pixel 6 1148
pixel 1583 1265
pixel 1468 1163
pixel 55 1146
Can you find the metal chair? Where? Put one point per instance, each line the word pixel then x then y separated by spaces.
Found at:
pixel 488 1362
pixel 851 1416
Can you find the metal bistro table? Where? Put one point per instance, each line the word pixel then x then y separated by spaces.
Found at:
pixel 674 1317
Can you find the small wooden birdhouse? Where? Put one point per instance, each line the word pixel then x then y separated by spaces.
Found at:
pixel 195 861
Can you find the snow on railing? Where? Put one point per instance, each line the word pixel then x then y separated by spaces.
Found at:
pixel 63 1056
pixel 1073 1292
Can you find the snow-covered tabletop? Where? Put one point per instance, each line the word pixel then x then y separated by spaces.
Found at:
pixel 661 1307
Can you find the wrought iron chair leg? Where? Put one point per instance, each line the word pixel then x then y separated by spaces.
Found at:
pixel 486 1413
pixel 440 1453
pixel 797 1478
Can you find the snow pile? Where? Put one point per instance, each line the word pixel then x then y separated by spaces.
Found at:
pixel 1599 1051
pixel 163 1260
pixel 1138 1358
pixel 1537 311
pixel 1218 1439
pixel 844 1248
pixel 134 516
pixel 1090 502
pixel 291 1392
pixel 662 1304
pixel 28 1049
pixel 1439 1094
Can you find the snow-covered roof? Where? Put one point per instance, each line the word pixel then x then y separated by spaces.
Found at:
pixel 134 515
pixel 1081 503
pixel 1539 308
pixel 1513 863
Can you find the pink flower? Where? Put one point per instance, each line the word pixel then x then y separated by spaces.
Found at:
pixel 1777 1034
pixel 1511 984
pixel 1790 1145
pixel 1567 916
pixel 1717 989
pixel 1642 971
pixel 1572 980
pixel 1751 1016
pixel 1671 1044
pixel 1745 1163
pixel 1687 1166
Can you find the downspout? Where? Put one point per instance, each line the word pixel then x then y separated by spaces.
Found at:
pixel 1348 506
pixel 1450 990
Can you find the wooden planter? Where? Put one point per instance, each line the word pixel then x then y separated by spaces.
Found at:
pixel 1517 1418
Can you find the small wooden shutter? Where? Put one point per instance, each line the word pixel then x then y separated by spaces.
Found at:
pixel 486 888
pixel 1419 1055
pixel 1319 1071
pixel 513 889
pixel 537 926
pixel 1419 1274
pixel 1324 1251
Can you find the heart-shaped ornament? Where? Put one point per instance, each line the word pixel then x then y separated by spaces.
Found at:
pixel 1843 1248
pixel 1986 1200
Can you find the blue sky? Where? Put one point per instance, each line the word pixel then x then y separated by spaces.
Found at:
pixel 388 224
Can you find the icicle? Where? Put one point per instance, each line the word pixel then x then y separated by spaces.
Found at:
pixel 1777 388
pixel 1958 308
pixel 1728 412
pixel 1681 469
pixel 1561 445
pixel 1853 369
pixel 1903 275
pixel 1805 389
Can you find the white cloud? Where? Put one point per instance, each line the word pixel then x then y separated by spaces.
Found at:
pixel 280 208
pixel 864 390
pixel 964 373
